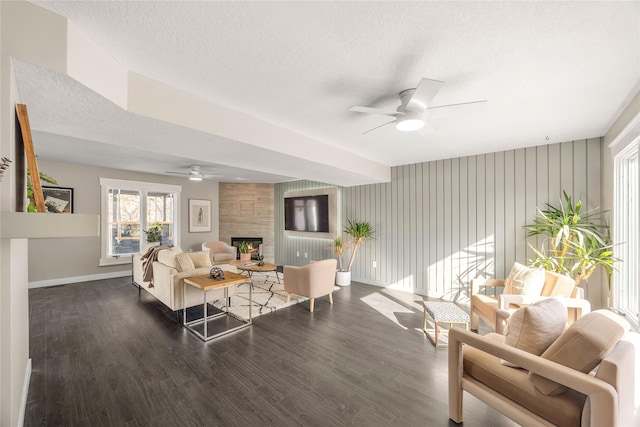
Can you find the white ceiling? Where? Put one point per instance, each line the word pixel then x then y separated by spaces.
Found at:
pixel 551 72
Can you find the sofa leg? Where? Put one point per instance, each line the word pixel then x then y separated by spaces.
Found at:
pixel 311 301
pixel 330 297
pixel 288 296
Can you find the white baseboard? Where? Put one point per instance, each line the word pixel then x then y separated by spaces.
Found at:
pixel 77 279
pixel 25 393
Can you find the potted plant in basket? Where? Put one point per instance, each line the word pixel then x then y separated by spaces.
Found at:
pixel 577 242
pixel 245 252
pixel 358 232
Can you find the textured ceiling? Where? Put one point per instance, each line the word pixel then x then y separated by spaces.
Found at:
pixel 551 71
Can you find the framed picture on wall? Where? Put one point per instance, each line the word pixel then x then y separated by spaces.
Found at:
pixel 199 216
pixel 58 199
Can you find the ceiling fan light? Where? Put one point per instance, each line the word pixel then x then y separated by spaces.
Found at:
pixel 195 178
pixel 410 121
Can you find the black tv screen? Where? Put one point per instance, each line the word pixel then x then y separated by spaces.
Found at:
pixel 308 213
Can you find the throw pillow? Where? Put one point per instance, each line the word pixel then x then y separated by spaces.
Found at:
pixel 536 327
pixel 523 280
pixel 582 346
pixel 200 259
pixel 184 262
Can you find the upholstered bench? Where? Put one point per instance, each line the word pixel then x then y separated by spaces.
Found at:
pixel 442 312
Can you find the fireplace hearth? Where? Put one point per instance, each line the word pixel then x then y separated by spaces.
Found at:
pixel 254 242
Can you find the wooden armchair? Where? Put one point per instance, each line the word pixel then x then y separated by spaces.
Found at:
pixel 496 309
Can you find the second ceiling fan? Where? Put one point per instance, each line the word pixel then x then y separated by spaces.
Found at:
pixel 414 104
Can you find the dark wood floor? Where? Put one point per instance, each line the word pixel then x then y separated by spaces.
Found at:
pixel 102 356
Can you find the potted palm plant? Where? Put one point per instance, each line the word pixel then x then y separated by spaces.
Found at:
pixel 575 243
pixel 358 232
pixel 245 252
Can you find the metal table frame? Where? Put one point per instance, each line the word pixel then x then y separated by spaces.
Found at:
pixel 207 318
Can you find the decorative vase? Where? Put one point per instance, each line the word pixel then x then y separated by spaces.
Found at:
pixel 343 278
pixel 245 257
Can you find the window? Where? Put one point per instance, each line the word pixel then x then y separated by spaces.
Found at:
pixel 129 208
pixel 627 231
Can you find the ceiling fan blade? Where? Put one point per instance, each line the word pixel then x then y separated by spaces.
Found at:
pixel 425 92
pixel 378 127
pixel 370 110
pixel 178 173
pixel 458 104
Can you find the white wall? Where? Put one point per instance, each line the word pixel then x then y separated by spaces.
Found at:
pixel 53 259
pixel 15 366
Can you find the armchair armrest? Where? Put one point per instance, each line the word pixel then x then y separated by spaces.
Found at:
pixel 602 396
pixel 481 281
pixel 505 300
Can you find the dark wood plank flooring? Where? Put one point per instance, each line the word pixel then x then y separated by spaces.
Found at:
pixel 102 356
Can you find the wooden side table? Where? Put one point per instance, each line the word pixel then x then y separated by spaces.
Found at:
pixel 205 283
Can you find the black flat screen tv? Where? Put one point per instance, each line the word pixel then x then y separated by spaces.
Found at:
pixel 307 213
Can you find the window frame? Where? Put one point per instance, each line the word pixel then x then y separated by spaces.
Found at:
pixel 144 188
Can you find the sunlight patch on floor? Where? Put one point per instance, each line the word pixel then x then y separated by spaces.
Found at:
pixel 386 307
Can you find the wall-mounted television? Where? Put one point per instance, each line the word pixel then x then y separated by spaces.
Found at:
pixel 312 213
pixel 307 213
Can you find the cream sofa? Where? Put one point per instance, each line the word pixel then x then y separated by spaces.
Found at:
pixel 169 275
pixel 607 396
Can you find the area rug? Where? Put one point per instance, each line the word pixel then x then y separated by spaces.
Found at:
pixel 268 296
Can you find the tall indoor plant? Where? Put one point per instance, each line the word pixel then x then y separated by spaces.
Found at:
pixel 575 243
pixel 358 233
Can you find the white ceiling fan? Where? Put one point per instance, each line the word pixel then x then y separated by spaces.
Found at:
pixel 195 174
pixel 414 105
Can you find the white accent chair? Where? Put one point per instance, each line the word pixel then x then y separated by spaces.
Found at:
pixel 220 252
pixel 313 280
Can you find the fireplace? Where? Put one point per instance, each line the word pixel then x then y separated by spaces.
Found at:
pixel 254 242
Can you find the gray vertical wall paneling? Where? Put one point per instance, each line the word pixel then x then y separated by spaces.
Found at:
pixel 520 208
pixel 481 200
pixel 464 216
pixel 531 192
pixel 490 207
pixel 499 217
pixel 567 166
pixel 419 267
pixel 439 208
pixel 433 226
pixel 444 222
pixel 472 195
pixel 555 167
pixel 542 178
pixel 455 226
pixel 509 210
pixel 448 224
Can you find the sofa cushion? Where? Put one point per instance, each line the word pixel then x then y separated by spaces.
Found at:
pixel 184 262
pixel 535 327
pixel 523 280
pixel 168 256
pixel 582 346
pixel 200 259
pixel 556 284
pixel 564 410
